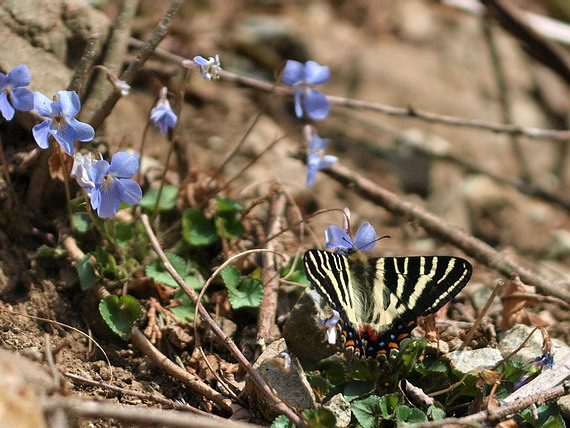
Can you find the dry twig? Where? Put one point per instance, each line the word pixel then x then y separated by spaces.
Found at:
pixel 498 128
pixel 440 229
pixel 264 388
pixel 271 267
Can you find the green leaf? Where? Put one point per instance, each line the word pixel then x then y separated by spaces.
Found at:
pixel 81 222
pixel 124 232
pixel 197 229
pixel 248 295
pixel 231 276
pixel 228 205
pixel 281 422
pixel 186 310
pixel 319 383
pixel 416 416
pixel 167 198
pixel 388 405
pixel 233 226
pixel 105 261
pixel 366 411
pixel 402 413
pixel 435 413
pixel 120 313
pixel 431 366
pixel 320 418
pixel 357 389
pixel 86 272
pixel 158 272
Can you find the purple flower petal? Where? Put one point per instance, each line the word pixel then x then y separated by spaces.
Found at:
pixel 41 133
pixel 200 60
pixel 5 107
pixel 124 165
pixel 163 117
pixel 100 170
pixel 336 237
pixel 82 131
pixel 19 76
pixel 23 99
pixel 65 136
pixel 311 176
pixel 327 161
pixel 70 104
pixel 131 192
pixel 95 198
pixel 43 105
pixel 2 81
pixel 316 104
pixel 365 237
pixel 298 106
pixel 316 74
pixel 110 199
pixel 293 73
pixel 318 143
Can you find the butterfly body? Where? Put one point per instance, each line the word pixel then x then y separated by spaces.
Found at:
pixel 380 299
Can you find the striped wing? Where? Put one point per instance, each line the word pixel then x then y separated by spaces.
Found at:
pixel 380 299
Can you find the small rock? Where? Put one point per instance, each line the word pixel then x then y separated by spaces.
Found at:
pixel 289 383
pixel 475 360
pixel 517 334
pixel 340 407
pixel 33 353
pixel 564 406
pixel 304 338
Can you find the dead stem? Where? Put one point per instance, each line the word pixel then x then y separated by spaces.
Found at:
pixel 227 341
pixel 270 273
pixel 439 228
pixel 498 128
pixel 160 31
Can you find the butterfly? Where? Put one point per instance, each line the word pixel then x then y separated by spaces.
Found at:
pixel 379 299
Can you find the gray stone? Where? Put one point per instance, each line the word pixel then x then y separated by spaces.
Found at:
pixel 340 407
pixel 517 334
pixel 475 360
pixel 289 383
pixel 564 406
pixel 304 338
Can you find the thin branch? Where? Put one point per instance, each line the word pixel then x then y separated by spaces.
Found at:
pixel 151 397
pixel 502 90
pixel 498 128
pixel 270 274
pixel 162 361
pixel 264 388
pixel 141 416
pixel 440 229
pixel 92 49
pixel 539 48
pixel 144 54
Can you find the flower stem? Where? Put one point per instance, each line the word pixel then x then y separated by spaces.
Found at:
pixel 171 136
pixel 65 174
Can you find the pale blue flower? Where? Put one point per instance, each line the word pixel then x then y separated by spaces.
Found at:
pixel 316 160
pixel 301 77
pixel 210 67
pixel 61 122
pixel 13 95
pixel 108 184
pixel 162 113
pixel 340 240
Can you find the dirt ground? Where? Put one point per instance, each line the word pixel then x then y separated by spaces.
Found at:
pixel 402 53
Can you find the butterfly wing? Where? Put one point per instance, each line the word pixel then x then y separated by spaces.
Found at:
pixel 409 287
pixel 380 299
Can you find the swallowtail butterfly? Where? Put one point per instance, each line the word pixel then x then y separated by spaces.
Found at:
pixel 380 299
